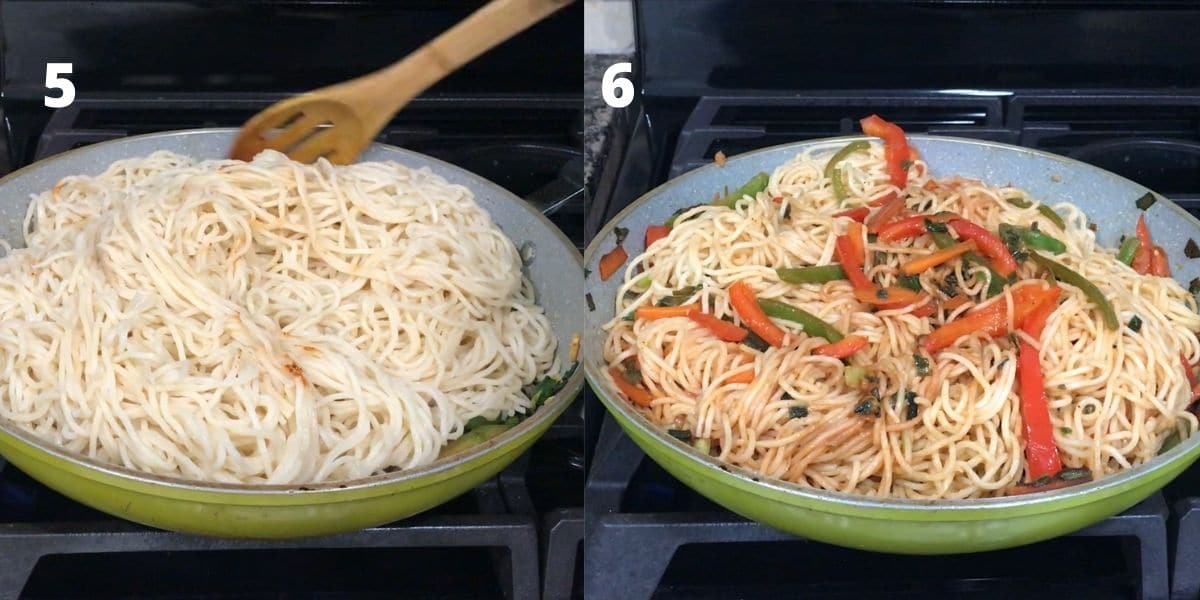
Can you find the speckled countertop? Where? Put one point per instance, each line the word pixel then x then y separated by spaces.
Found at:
pixel 597 115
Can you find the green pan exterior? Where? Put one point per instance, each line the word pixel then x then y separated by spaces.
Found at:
pixel 292 511
pixel 896 530
pixel 890 524
pixel 232 513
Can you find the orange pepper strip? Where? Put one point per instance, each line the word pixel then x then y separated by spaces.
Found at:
pixel 858 214
pixel 852 263
pixel 1158 262
pixel 633 393
pixel 929 261
pixel 743 377
pixel 611 262
pixel 650 313
pixel 956 302
pixel 724 330
pixel 842 348
pixel 746 306
pixel 890 295
pixel 884 199
pixel 896 152
pixel 991 319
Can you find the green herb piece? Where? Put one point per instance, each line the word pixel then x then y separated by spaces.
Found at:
pixel 702 445
pixel 1171 441
pixel 679 213
pixel 910 405
pixel 622 233
pixel 678 297
pixel 1146 201
pixel 1135 324
pixel 591 302
pixel 1194 286
pixel 949 285
pixel 1066 430
pixel 867 407
pixel 643 284
pixel 682 435
pixel 1074 474
pixel 1018 202
pixel 1089 409
pixel 910 282
pixel 754 342
pixel 922 364
pixel 797 412
pixel 936 227
pixel 819 274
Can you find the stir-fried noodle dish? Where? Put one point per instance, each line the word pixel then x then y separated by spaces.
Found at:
pixel 850 322
pixel 266 322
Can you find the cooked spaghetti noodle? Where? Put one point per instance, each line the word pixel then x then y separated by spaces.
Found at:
pixel 264 322
pixel 951 428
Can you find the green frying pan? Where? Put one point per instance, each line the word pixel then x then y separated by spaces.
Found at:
pixel 262 511
pixel 894 525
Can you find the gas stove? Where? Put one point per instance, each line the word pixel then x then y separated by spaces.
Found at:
pixel 523 132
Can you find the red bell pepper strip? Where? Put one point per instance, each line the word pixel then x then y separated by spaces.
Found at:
pixel 989 245
pixel 1158 262
pixel 843 348
pixel 1142 258
pixel 1191 376
pixel 884 199
pixel 655 233
pixel 885 215
pixel 991 319
pixel 724 330
pixel 903 229
pixel 746 306
pixel 1041 453
pixel 852 263
pixel 896 152
pixel 611 262
pixel 858 214
pixel 633 393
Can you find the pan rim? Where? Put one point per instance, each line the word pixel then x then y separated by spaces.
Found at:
pixel 849 503
pixel 418 477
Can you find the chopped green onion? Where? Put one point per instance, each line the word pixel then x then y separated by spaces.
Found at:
pixel 819 274
pixel 679 213
pixel 1146 201
pixel 1135 324
pixel 935 227
pixel 922 364
pixel 1018 202
pixel 643 284
pixel 1040 241
pixel 702 445
pixel 682 435
pixel 911 282
pixel 853 375
pixel 1053 216
pixel 1073 474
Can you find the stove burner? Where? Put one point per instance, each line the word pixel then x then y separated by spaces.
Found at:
pixel 1169 167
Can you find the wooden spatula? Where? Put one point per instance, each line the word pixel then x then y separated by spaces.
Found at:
pixel 339 121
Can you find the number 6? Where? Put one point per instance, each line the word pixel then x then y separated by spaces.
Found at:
pixel 612 83
pixel 54 82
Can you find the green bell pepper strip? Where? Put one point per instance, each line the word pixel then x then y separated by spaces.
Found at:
pixel 1042 208
pixel 1065 274
pixel 834 174
pixel 751 188
pixel 821 274
pixel 812 324
pixel 1040 241
pixel 1128 249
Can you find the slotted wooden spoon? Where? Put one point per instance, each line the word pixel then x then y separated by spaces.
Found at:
pixel 337 122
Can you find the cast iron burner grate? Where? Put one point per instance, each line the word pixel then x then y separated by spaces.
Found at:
pixel 528 144
pixel 667 541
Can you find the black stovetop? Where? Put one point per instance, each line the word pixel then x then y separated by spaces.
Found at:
pixel 674 543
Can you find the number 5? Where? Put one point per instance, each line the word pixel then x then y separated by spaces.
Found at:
pixel 612 83
pixel 55 82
